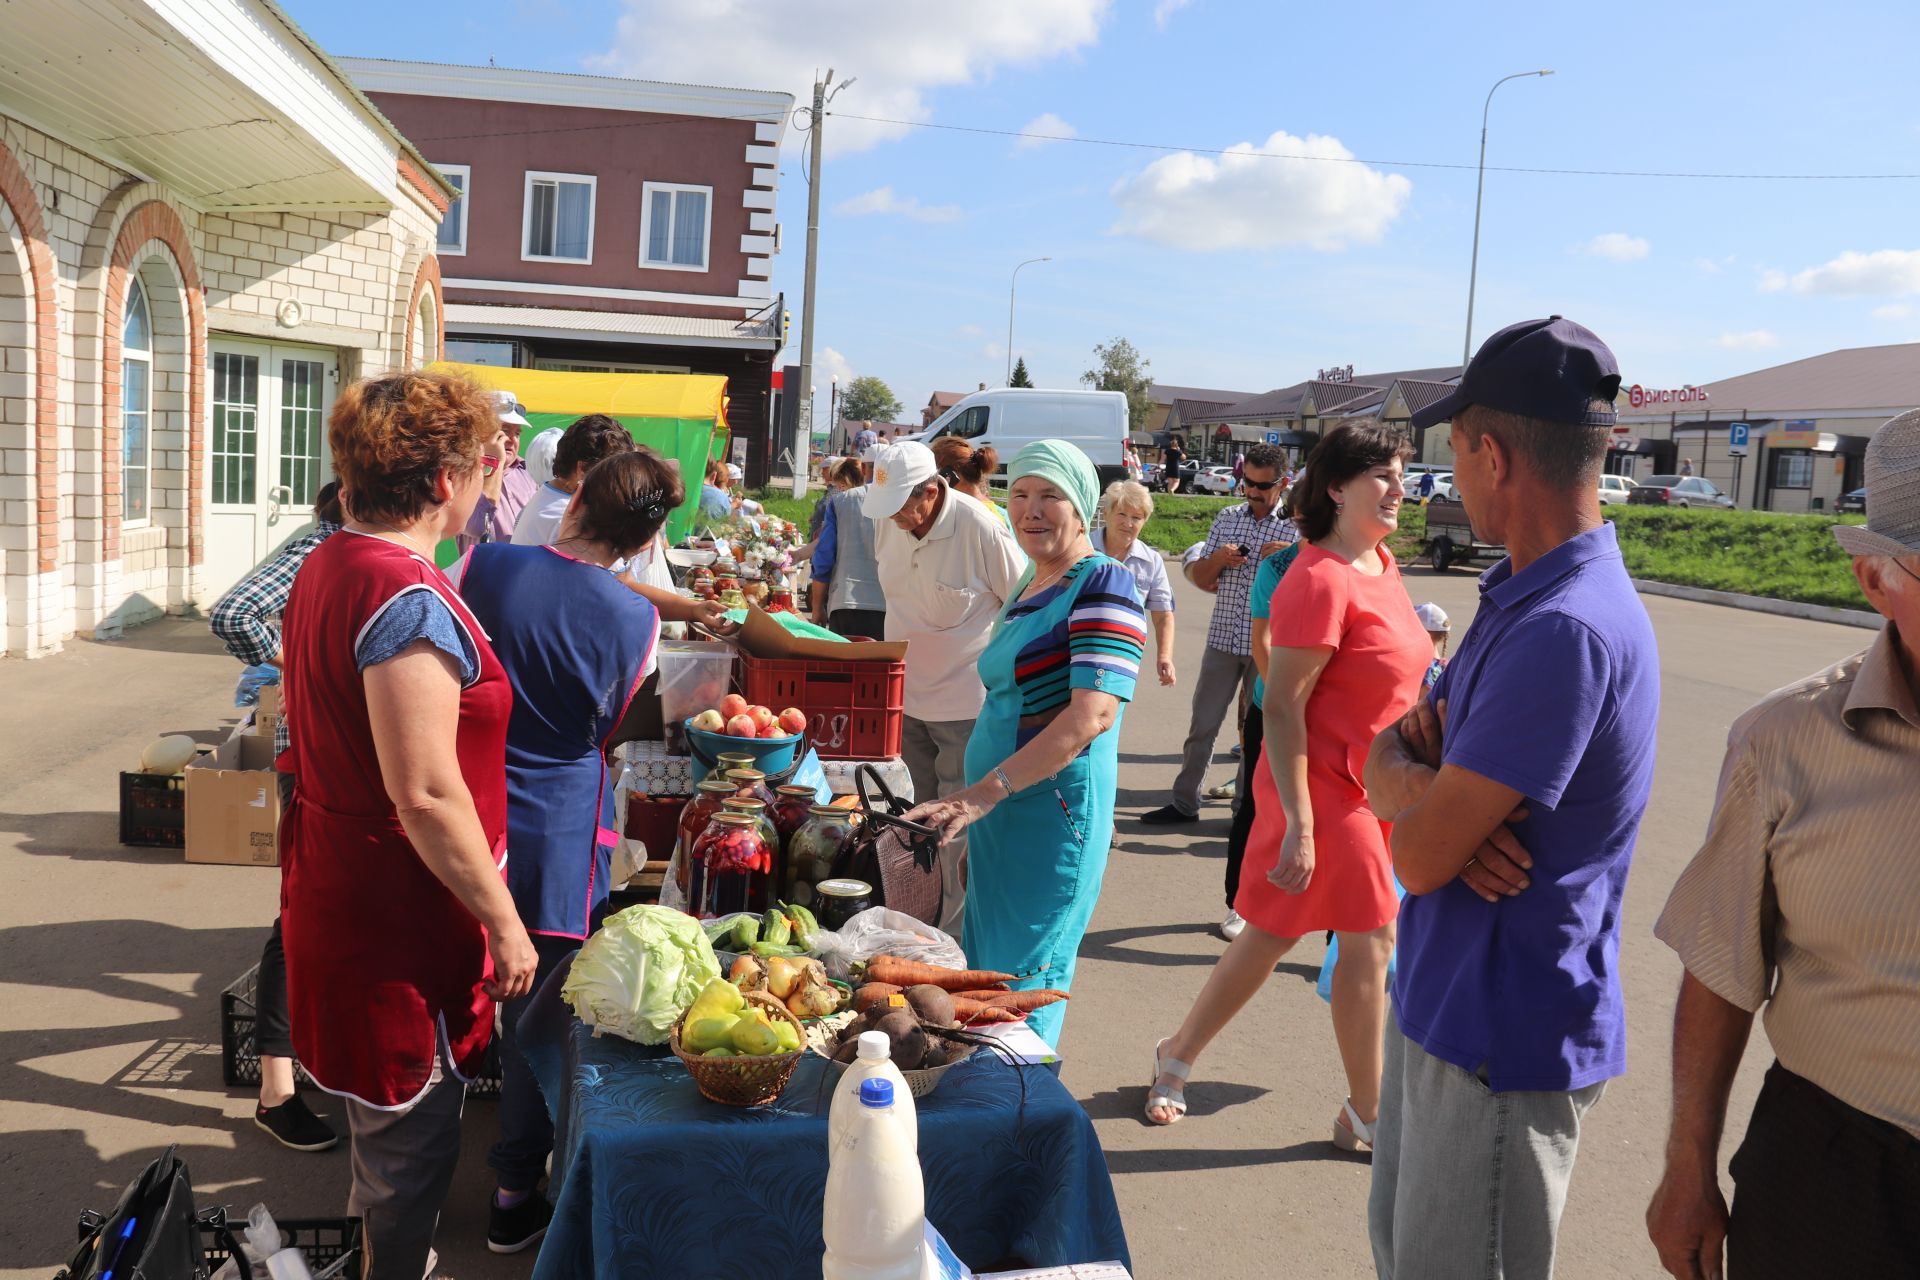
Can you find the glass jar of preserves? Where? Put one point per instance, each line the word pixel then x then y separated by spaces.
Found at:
pixel 732 864
pixel 792 802
pixel 813 851
pixel 751 783
pixel 780 600
pixel 840 901
pixel 694 817
pixel 757 810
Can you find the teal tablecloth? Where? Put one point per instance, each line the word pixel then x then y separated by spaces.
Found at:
pixel 655 1181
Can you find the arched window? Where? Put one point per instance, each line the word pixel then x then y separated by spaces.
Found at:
pixel 136 401
pixel 425 331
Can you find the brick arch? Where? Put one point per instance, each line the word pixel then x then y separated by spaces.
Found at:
pixel 425 278
pixel 151 221
pixel 16 189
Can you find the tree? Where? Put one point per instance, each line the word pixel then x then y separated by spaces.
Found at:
pixel 1020 376
pixel 1124 369
pixel 867 399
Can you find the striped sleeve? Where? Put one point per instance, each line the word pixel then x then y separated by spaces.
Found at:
pixel 1106 633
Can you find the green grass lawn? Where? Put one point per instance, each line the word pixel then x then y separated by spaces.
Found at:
pixel 1755 553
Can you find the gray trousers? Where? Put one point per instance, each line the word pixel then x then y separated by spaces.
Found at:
pixel 1215 693
pixel 935 753
pixel 1468 1184
pixel 403 1164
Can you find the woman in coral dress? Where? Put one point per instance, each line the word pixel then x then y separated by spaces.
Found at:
pixel 1347 657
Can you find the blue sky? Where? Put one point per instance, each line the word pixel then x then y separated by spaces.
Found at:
pixel 1253 274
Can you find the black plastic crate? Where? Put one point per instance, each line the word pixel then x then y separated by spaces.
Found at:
pixel 240 1063
pixel 331 1245
pixel 153 810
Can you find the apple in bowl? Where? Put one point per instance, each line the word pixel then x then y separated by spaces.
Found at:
pixel 743 726
pixel 709 722
pixel 793 720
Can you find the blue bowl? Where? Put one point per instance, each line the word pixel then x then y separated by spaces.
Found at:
pixel 771 755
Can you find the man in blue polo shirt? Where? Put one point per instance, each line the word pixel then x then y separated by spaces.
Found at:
pixel 1516 796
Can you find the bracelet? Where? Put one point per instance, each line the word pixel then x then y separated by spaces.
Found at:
pixel 1005 781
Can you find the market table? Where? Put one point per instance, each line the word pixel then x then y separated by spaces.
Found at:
pixel 654 1180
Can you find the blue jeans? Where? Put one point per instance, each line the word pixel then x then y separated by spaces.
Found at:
pixel 1468 1184
pixel 526 1127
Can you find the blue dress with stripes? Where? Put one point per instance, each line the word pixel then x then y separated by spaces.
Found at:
pixel 1035 862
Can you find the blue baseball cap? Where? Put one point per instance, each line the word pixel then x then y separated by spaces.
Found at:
pixel 1551 369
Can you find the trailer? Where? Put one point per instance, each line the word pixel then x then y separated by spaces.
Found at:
pixel 1451 539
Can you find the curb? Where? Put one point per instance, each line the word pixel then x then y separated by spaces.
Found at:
pixel 1763 604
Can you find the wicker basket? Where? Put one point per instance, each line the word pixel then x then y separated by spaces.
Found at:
pixel 742 1081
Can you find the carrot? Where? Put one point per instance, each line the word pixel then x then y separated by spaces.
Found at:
pixel 1025 1001
pixel 871 994
pixel 983 993
pixel 912 973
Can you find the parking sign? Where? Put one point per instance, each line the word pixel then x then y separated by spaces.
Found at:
pixel 1273 437
pixel 1739 439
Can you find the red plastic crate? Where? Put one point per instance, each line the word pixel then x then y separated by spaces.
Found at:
pixel 854 709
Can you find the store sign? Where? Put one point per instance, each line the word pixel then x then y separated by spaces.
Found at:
pixel 1640 397
pixel 1793 440
pixel 1625 444
pixel 1336 374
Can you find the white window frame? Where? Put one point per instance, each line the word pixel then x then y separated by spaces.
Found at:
pixel 592 184
pixel 144 357
pixel 647 190
pixel 460 206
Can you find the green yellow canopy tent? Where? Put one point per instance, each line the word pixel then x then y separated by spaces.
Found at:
pixel 679 415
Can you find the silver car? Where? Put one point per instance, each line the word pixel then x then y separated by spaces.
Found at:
pixel 1678 491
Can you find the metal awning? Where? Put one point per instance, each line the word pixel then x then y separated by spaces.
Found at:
pixel 474 319
pixel 225 101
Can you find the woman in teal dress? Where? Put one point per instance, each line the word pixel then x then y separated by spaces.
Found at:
pixel 1042 763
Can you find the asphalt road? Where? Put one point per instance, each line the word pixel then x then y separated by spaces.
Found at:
pixel 114 959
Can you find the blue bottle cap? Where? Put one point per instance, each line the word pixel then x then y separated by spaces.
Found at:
pixel 876 1092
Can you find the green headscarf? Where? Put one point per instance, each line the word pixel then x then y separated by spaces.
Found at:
pixel 1066 468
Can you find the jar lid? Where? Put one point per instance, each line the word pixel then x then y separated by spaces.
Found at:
pixel 830 811
pixel 740 759
pixel 743 803
pixel 736 819
pixel 747 775
pixel 844 889
pixel 717 785
pixel 794 789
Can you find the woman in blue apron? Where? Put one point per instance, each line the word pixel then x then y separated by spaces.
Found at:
pixel 1043 760
pixel 576 643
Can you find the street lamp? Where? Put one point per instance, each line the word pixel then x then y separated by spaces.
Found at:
pixel 1479 189
pixel 1010 294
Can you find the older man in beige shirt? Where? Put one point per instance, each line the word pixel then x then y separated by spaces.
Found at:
pixel 1806 899
pixel 947 564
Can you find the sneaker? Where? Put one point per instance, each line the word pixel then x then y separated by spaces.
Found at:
pixel 1167 815
pixel 511 1230
pixel 1230 927
pixel 1225 791
pixel 293 1125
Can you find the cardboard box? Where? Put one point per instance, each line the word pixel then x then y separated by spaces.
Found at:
pixel 233 804
pixel 269 704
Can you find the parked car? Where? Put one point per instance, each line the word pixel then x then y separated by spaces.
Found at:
pixel 1615 489
pixel 1155 476
pixel 1214 480
pixel 1854 503
pixel 1678 491
pixel 1009 417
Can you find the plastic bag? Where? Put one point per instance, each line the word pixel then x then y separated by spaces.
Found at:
pixel 878 930
pixel 252 679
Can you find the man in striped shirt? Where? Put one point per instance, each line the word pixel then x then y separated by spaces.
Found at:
pixel 1805 898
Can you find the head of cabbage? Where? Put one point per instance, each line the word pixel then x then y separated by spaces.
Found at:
pixel 640 972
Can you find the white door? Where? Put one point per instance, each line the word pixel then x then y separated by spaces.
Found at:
pixel 267 453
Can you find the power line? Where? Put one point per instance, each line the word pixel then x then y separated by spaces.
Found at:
pixel 1390 164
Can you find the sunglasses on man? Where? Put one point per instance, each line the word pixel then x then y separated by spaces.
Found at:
pixel 1261 485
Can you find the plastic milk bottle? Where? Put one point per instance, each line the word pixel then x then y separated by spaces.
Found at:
pixel 874 1063
pixel 875 1216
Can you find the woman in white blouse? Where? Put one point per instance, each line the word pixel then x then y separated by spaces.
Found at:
pixel 1125 508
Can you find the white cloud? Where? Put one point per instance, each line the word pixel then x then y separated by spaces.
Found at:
pixel 1051 128
pixel 1240 200
pixel 1772 280
pixel 1883 273
pixel 882 200
pixel 1750 340
pixel 1617 246
pixel 830 366
pixel 898 52
pixel 1893 311
pixel 1165 9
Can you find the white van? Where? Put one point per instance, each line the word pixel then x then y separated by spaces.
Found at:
pixel 1009 417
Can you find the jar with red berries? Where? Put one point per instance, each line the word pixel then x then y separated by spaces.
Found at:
pixel 751 783
pixel 732 865
pixel 694 817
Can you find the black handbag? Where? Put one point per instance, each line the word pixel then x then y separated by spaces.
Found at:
pixel 152 1233
pixel 900 859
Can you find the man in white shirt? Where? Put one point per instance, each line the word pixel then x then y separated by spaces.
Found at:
pixel 586 442
pixel 946 565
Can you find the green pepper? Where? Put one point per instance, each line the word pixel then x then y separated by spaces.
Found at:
pixel 775 929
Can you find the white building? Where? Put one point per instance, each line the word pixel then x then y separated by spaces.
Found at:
pixel 207 230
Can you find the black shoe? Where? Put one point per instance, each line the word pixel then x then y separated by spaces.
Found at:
pixel 511 1230
pixel 293 1125
pixel 1167 815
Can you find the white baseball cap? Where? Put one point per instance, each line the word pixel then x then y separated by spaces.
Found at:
pixel 898 469
pixel 508 406
pixel 1433 618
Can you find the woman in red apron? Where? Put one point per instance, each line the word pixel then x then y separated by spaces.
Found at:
pixel 399 929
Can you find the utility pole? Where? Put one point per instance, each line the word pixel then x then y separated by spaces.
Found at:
pixel 1479 190
pixel 801 446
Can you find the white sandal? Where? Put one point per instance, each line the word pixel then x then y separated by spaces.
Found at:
pixel 1356 1134
pixel 1159 1096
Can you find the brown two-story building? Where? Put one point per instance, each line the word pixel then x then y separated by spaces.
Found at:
pixel 604 224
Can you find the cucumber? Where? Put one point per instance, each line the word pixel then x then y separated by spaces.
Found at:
pixel 804 917
pixel 766 950
pixel 775 929
pixel 746 932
